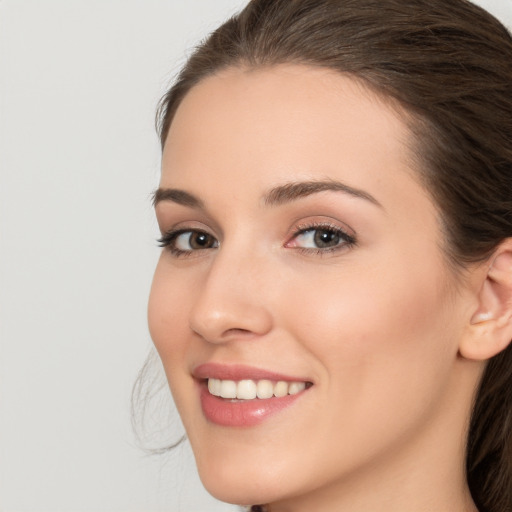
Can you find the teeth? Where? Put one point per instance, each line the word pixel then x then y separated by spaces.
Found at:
pixel 228 388
pixel 246 390
pixel 265 389
pixel 249 389
pixel 281 388
pixel 296 387
pixel 214 387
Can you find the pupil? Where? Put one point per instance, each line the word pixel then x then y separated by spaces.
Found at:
pixel 200 241
pixel 324 238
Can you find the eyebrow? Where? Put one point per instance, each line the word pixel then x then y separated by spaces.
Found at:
pixel 295 190
pixel 274 197
pixel 176 196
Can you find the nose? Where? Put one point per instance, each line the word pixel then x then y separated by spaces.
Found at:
pixel 232 302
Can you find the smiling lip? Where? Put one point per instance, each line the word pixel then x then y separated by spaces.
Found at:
pixel 239 372
pixel 241 413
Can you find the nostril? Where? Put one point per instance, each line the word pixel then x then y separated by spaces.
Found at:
pixel 242 332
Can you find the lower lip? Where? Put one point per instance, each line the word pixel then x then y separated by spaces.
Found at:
pixel 244 413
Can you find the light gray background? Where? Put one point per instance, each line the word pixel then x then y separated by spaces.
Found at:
pixel 79 81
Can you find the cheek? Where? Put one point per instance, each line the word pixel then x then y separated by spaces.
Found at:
pixel 168 321
pixel 380 337
pixel 167 314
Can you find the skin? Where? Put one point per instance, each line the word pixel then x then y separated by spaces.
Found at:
pixel 375 325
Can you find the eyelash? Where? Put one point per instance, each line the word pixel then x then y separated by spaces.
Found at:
pixel 168 239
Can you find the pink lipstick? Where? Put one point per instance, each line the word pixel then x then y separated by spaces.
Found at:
pixel 243 396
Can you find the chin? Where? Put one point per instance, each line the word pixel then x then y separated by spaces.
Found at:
pixel 244 486
pixel 245 495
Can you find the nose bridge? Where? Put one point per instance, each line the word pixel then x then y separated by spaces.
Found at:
pixel 232 299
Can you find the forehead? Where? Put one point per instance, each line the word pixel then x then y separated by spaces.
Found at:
pixel 285 116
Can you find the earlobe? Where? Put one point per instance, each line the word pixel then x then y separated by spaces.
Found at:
pixel 490 328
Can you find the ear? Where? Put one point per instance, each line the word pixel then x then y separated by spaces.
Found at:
pixel 490 329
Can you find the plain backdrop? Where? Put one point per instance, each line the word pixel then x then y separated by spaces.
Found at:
pixel 79 82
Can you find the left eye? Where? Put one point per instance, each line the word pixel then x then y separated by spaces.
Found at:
pixel 186 242
pixel 320 238
pixel 193 241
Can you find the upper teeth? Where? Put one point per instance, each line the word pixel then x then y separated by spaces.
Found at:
pixel 250 389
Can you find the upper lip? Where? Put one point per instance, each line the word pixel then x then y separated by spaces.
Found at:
pixel 240 372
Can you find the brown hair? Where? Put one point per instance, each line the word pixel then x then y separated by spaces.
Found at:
pixel 448 63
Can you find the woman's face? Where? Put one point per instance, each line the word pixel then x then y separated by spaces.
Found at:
pixel 301 256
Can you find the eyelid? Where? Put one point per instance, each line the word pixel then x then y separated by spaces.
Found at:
pixel 183 225
pixel 171 216
pixel 320 221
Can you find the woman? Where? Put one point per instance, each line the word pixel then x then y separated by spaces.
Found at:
pixel 333 302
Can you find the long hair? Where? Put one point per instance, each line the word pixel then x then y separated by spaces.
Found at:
pixel 448 64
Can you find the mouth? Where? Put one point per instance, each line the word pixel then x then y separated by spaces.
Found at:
pixel 242 396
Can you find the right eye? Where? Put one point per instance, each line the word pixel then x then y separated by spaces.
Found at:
pixel 183 242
